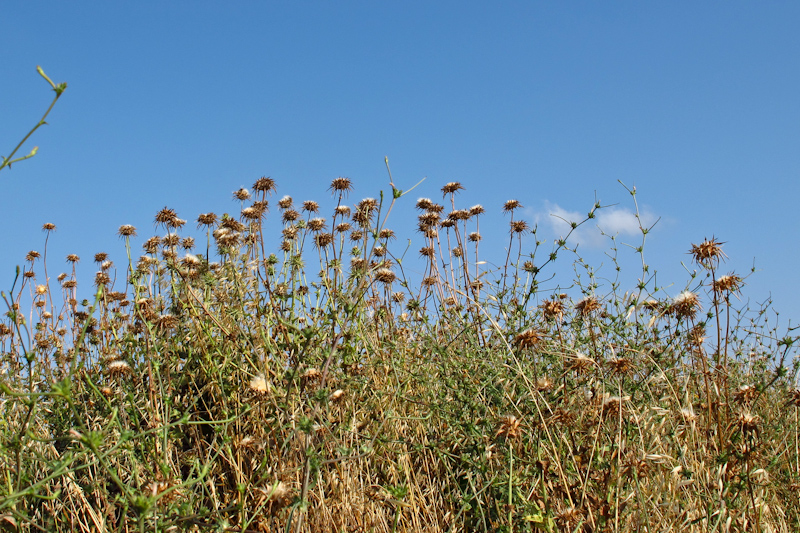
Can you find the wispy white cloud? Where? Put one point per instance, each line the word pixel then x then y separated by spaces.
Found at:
pixel 611 221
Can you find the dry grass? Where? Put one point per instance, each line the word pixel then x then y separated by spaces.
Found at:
pixel 215 386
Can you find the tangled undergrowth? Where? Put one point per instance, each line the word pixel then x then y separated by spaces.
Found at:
pixel 213 385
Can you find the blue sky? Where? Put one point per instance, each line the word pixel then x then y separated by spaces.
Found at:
pixel 180 103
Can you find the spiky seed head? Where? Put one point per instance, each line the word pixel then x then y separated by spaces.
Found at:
pixel 41 289
pixel 511 205
pixel 316 224
pixel 379 251
pixel 100 257
pixel 385 275
pixel 528 338
pixel 476 210
pixel 190 260
pixel 342 210
pixel 264 184
pixel 119 368
pixel 187 243
pixel 508 427
pixel 69 284
pixel 728 283
pixel 49 226
pixel 341 185
pixel 126 230
pixel 387 234
pixel 73 258
pixel 519 227
pixel 344 227
pixel 171 240
pixel 686 304
pixel 323 240
pixel 61 277
pixel 176 223
pixel 310 206
pixel 474 237
pixel 206 219
pixel 745 394
pixel 106 265
pixel 286 202
pixel 32 256
pixel 587 305
pixel 457 251
pixel 451 188
pixel 356 235
pixel 447 223
pixel 290 215
pixel 241 194
pixel 427 251
pixel 458 214
pixel 260 385
pixel 165 216
pixel 708 253
pixel 424 204
pixel 251 213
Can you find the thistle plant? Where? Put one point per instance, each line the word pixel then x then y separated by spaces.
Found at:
pixel 286 370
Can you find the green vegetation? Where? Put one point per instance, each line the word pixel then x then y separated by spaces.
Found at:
pixel 212 385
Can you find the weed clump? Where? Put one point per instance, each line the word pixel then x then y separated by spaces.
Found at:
pixel 243 382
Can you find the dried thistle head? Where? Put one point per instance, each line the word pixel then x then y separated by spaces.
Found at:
pixel 745 394
pixel 32 256
pixel 310 206
pixel 749 423
pixel 552 309
pixel 476 210
pixel 511 205
pixel 242 194
pixel 451 188
pixel 206 219
pixel 708 253
pixel 580 363
pixel 316 224
pixel 73 258
pixel 587 305
pixel 508 427
pixel 385 275
pixel 728 283
pixel 49 226
pixel 528 338
pixel 685 305
pixel 474 237
pixel 341 185
pixel 286 202
pixel 519 227
pixel 165 216
pixel 264 185
pixel 424 204
pixel 260 385
pixel 126 230
pixel 323 240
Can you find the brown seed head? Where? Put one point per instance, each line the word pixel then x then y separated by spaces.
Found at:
pixel 165 216
pixel 476 210
pixel 286 202
pixel 49 226
pixel 519 227
pixel 316 224
pixel 126 230
pixel 510 205
pixel 241 194
pixel 73 258
pixel 310 206
pixel 264 184
pixel 32 256
pixel 708 253
pixel 729 283
pixel 424 204
pixel 206 219
pixel 686 304
pixel 587 305
pixel 341 185
pixel 451 188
